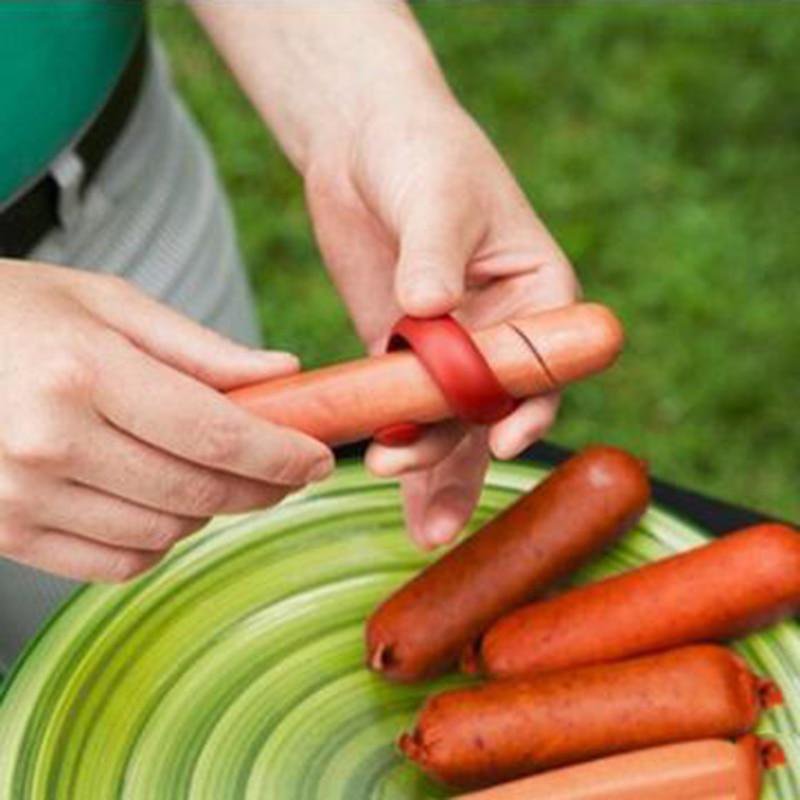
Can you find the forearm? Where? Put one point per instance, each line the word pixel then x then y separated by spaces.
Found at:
pixel 316 71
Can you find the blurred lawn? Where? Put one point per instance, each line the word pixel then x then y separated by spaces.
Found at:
pixel 661 144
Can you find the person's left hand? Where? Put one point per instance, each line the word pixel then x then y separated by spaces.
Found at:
pixel 419 215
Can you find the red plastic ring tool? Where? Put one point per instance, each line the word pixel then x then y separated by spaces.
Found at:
pixel 450 356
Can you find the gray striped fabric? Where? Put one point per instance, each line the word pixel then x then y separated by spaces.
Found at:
pixel 156 215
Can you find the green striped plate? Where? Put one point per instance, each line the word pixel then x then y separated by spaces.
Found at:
pixel 234 670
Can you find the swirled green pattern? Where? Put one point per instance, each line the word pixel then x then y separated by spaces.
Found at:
pixel 234 670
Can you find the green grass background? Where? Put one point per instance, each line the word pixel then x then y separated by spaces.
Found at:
pixel 660 141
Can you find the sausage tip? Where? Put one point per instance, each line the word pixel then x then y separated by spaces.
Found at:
pixel 380 657
pixel 411 746
pixel 769 693
pixel 771 754
pixel 574 341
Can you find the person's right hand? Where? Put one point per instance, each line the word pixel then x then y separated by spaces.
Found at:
pixel 115 441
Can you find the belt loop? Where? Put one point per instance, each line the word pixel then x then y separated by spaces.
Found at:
pixel 68 171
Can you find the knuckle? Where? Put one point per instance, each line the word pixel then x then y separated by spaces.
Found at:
pixel 162 532
pixel 220 442
pixel 296 467
pixel 204 496
pixel 13 540
pixel 156 534
pixel 40 448
pixel 290 468
pixel 13 500
pixel 114 285
pixel 66 375
pixel 124 566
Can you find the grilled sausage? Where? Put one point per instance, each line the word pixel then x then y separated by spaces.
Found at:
pixel 583 506
pixel 744 581
pixel 353 400
pixel 508 729
pixel 711 768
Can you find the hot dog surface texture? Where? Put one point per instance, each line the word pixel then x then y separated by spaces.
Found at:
pixel 710 769
pixel 508 729
pixel 738 583
pixel 582 507
pixel 352 400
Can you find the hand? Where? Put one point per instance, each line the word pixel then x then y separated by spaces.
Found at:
pixel 413 208
pixel 419 215
pixel 115 441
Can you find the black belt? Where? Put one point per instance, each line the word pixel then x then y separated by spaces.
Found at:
pixel 25 222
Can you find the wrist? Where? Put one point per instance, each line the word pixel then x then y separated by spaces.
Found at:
pixel 405 98
pixel 317 73
pixel 392 79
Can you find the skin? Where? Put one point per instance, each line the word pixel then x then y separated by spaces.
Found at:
pixel 413 208
pixel 115 441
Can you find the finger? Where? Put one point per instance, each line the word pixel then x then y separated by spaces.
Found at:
pixel 438 236
pixel 440 502
pixel 117 464
pixel 526 425
pixel 173 412
pixel 520 269
pixel 435 444
pixel 415 502
pixel 81 559
pixel 544 286
pixel 111 520
pixel 556 285
pixel 177 340
pixel 517 238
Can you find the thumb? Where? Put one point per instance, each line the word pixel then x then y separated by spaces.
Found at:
pixel 437 241
pixel 178 340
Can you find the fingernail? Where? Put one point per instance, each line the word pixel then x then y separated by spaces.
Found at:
pixel 389 462
pixel 441 530
pixel 505 450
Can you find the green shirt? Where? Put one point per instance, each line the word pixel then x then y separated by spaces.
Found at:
pixel 60 61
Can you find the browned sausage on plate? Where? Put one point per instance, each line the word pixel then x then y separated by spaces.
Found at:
pixel 738 583
pixel 711 769
pixel 583 506
pixel 508 729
